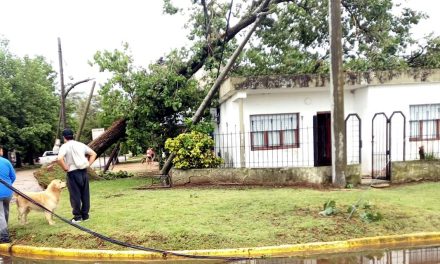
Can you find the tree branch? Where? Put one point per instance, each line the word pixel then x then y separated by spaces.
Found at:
pixel 197 61
pixel 75 84
pixel 356 19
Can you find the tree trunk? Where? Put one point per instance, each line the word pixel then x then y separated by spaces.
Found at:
pixel 112 157
pixel 112 135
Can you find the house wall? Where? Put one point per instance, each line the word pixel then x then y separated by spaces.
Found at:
pixel 363 99
pixel 416 170
pixel 261 176
pixel 387 99
pixel 307 104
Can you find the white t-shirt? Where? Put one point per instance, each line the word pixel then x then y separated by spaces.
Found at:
pixel 74 154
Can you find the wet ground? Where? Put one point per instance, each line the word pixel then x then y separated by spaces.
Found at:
pixel 26 181
pixel 423 255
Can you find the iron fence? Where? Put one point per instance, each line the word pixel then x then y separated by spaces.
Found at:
pixel 240 150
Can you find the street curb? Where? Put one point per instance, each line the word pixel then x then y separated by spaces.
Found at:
pixel 350 245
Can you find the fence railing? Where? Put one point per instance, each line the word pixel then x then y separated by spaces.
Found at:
pixel 240 150
pixel 246 150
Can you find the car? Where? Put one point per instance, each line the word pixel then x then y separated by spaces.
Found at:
pixel 48 157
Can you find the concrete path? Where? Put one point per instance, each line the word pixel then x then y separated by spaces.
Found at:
pixel 26 181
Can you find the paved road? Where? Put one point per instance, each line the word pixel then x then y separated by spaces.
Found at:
pixel 26 181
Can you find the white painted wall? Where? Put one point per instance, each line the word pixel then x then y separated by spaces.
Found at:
pixel 387 99
pixel 365 101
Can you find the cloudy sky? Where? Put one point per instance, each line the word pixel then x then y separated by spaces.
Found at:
pixel 85 26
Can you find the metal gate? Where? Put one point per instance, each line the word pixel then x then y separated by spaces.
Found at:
pixel 353 138
pixel 386 144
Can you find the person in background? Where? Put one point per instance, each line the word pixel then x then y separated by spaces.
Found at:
pixel 7 174
pixel 75 157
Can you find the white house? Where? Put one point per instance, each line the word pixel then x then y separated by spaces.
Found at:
pixel 284 121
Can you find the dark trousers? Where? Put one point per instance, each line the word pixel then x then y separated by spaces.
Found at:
pixel 78 184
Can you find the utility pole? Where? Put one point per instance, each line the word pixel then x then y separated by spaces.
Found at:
pixel 63 102
pixel 339 155
pixel 86 110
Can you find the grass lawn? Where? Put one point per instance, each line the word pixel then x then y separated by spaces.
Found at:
pixel 211 217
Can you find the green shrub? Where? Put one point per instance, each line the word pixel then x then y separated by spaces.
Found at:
pixel 430 156
pixel 193 150
pixel 329 208
pixel 109 175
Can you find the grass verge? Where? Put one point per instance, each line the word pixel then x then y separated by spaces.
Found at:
pixel 210 217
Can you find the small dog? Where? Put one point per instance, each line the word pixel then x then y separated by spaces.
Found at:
pixel 48 198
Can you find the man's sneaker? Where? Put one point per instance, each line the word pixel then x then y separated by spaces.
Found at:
pixel 76 220
pixel 85 218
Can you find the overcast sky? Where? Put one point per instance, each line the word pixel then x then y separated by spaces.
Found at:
pixel 86 26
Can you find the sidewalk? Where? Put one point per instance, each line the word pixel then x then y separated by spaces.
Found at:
pixel 26 181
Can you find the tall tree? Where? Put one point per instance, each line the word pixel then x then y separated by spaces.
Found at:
pixel 292 39
pixel 295 39
pixel 28 104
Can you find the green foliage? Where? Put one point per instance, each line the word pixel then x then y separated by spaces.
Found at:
pixel 430 156
pixel 28 104
pixel 365 210
pixel 109 175
pixel 169 8
pixel 371 216
pixel 349 186
pixel 155 101
pixel 329 208
pixel 193 150
pixel 295 39
pixel 204 127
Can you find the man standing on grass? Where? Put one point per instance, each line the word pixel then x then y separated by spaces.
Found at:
pixel 7 174
pixel 75 157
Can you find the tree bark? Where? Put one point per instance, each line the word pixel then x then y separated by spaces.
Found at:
pixel 339 156
pixel 115 132
pixel 112 157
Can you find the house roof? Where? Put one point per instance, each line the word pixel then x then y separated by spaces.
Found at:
pixel 352 80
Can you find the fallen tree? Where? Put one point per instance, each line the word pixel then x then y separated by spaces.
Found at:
pixel 188 69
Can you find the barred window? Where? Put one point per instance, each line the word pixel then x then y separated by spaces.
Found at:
pixel 424 122
pixel 275 131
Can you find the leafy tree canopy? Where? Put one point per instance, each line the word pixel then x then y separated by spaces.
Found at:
pixel 155 101
pixel 28 104
pixel 294 38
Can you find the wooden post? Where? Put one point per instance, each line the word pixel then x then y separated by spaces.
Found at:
pixel 63 102
pixel 83 119
pixel 339 155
